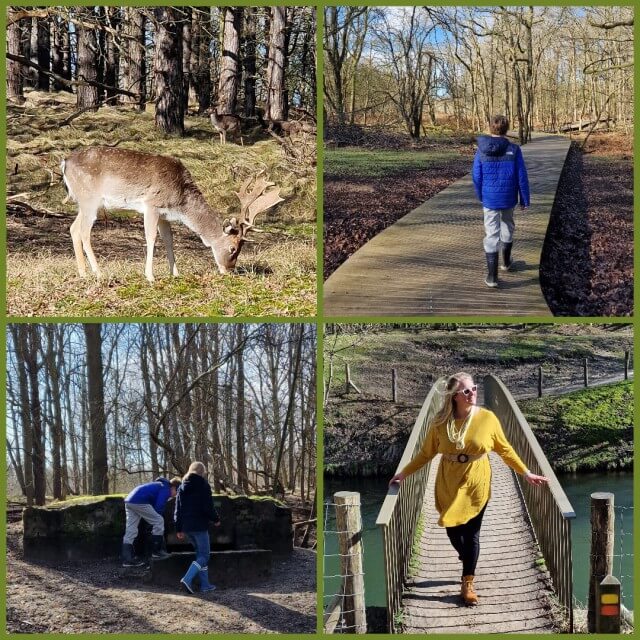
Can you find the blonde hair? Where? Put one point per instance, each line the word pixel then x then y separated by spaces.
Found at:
pixel 196 467
pixel 450 389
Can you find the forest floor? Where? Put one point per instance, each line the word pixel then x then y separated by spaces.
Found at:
pixel 365 434
pixel 593 215
pixel 102 597
pixel 389 177
pixel 593 212
pixel 276 276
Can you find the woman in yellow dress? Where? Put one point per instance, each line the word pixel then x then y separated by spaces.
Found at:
pixel 465 434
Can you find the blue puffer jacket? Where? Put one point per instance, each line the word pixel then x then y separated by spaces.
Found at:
pixel 499 174
pixel 154 493
pixel 194 505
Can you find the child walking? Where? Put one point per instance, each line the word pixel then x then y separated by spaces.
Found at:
pixel 500 180
pixel 194 510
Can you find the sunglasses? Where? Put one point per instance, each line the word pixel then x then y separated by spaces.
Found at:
pixel 467 392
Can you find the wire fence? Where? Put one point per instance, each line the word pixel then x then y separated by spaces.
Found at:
pixel 343 597
pixel 623 552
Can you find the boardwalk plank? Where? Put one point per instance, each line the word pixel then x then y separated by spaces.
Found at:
pixel 514 594
pixel 431 261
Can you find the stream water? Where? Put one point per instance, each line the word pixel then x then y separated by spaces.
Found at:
pixel 577 487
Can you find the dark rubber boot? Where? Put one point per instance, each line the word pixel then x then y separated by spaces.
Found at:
pixel 128 559
pixel 158 551
pixel 506 256
pixel 492 270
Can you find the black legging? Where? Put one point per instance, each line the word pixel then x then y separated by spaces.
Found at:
pixel 465 539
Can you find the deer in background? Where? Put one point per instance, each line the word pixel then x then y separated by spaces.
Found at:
pixel 224 123
pixel 161 189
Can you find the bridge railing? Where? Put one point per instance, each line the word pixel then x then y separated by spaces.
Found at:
pixel 400 511
pixel 549 509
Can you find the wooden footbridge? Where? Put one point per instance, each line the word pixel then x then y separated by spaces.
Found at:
pixel 524 575
pixel 431 261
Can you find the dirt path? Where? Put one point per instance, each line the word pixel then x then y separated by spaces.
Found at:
pixel 104 598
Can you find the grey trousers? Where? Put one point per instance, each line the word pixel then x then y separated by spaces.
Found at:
pixel 135 512
pixel 498 227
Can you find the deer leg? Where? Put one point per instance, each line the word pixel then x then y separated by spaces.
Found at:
pixel 81 236
pixel 223 136
pixel 151 218
pixel 167 237
pixel 76 236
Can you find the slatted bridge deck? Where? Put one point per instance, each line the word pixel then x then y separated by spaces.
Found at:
pixel 515 594
pixel 431 261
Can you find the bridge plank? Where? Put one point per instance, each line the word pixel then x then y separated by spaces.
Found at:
pixel 431 261
pixel 514 594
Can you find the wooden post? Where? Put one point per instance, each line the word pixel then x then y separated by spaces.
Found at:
pixel 586 372
pixel 626 364
pixel 394 385
pixel 602 530
pixel 539 382
pixel 349 384
pixel 349 526
pixel 608 609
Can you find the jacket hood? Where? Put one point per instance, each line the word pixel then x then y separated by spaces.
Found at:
pixel 193 482
pixel 493 146
pixel 163 481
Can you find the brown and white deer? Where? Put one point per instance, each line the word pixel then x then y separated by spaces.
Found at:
pixel 162 190
pixel 225 123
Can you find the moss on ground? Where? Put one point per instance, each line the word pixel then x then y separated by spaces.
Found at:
pixel 589 430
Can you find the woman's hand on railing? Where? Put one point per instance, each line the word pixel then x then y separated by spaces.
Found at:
pixel 535 480
pixel 397 479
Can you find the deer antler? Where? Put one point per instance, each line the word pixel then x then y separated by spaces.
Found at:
pixel 256 201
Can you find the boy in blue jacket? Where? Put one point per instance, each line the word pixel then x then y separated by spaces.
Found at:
pixel 147 502
pixel 500 179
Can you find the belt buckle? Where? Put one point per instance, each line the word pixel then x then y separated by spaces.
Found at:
pixel 462 457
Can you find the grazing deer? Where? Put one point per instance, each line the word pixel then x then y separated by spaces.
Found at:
pixel 161 189
pixel 224 123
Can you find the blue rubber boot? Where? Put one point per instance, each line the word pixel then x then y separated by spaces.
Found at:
pixel 205 585
pixel 187 579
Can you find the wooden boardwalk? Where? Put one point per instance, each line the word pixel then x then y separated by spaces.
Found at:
pixel 431 261
pixel 513 592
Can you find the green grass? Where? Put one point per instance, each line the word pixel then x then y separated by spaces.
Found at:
pixel 589 430
pixel 358 163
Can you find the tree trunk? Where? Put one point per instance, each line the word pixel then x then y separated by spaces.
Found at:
pixel 35 410
pixel 97 418
pixel 240 421
pixel 251 17
pixel 87 64
pixel 112 55
pixel 187 53
pixel 168 72
pixel 14 71
pixel 134 66
pixel 276 107
pixel 230 65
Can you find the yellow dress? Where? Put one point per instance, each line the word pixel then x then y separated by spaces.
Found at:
pixel 463 489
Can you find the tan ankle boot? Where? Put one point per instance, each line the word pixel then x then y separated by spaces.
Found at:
pixel 468 594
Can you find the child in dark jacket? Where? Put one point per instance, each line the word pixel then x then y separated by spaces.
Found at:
pixel 499 177
pixel 194 510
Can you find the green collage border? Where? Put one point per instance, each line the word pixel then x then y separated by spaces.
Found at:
pixel 319 319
